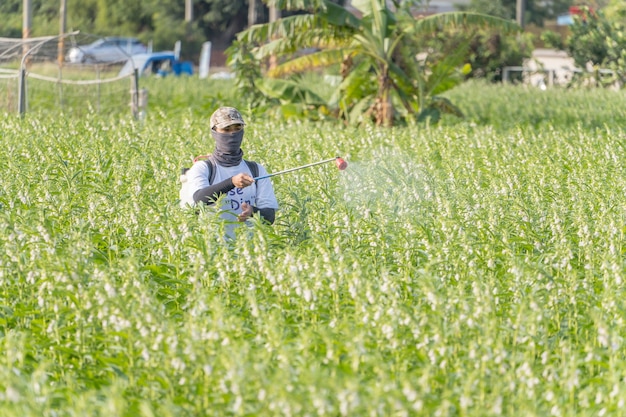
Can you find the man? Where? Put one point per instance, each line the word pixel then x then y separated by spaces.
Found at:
pixel 233 177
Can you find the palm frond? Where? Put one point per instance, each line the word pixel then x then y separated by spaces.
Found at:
pixel 442 73
pixel 359 83
pixel 370 45
pixel 297 4
pixel 315 38
pixel 368 7
pixel 303 63
pixel 284 27
pixel 289 91
pixel 336 15
pixel 292 33
pixel 445 106
pixel 400 78
pixel 434 23
pixel 358 114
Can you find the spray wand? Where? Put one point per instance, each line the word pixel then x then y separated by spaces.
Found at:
pixel 341 165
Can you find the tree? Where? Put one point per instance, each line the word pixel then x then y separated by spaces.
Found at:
pixel 221 20
pixel 615 10
pixel 600 42
pixel 505 10
pixel 368 48
pixel 537 11
pixel 160 21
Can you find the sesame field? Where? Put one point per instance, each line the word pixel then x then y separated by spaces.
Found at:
pixel 472 268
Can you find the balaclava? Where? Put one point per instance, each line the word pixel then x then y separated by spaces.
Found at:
pixel 228 150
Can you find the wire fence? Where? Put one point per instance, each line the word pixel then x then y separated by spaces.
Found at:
pixel 9 90
pixel 38 75
pixel 563 77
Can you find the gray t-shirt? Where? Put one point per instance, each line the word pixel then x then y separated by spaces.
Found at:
pixel 260 194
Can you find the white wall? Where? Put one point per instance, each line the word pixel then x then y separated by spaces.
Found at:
pixel 441 6
pixel 437 6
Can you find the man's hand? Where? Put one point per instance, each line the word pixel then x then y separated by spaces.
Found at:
pixel 242 180
pixel 246 212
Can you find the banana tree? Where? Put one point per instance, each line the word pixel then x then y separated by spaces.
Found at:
pixel 367 48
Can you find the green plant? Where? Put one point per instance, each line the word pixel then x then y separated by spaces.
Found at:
pixel 471 268
pixel 599 43
pixel 374 85
pixel 552 40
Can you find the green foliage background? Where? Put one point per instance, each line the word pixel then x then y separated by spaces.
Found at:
pixel 474 268
pixel 599 42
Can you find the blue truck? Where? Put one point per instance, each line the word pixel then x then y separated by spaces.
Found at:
pixel 157 63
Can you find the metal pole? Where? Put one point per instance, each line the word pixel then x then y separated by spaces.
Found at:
pixel 135 93
pixel 188 11
pixel 297 168
pixel 252 13
pixel 188 18
pixel 22 104
pixel 22 95
pixel 274 16
pixel 62 27
pixel 520 10
pixel 26 24
pixel 99 89
pixel 205 61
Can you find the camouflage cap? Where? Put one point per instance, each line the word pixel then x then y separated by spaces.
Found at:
pixel 226 116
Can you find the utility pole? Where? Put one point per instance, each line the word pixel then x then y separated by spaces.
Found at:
pixel 62 29
pixel 188 11
pixel 251 13
pixel 188 17
pixel 274 16
pixel 26 24
pixel 520 10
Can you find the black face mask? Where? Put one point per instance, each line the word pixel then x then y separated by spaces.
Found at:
pixel 228 151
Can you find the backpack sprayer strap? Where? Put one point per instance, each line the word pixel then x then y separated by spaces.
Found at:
pixel 211 165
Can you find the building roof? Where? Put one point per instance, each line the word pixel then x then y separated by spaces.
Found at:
pixel 432 6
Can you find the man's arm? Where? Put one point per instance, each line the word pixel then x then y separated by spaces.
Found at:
pixel 208 195
pixel 268 214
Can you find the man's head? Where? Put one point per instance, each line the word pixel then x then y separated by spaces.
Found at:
pixel 227 119
pixel 227 130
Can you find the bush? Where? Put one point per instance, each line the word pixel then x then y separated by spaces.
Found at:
pixel 598 42
pixel 488 51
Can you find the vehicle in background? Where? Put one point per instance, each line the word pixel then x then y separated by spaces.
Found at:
pixel 156 63
pixel 106 50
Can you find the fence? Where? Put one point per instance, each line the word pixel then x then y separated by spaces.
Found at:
pixel 35 77
pixel 549 77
